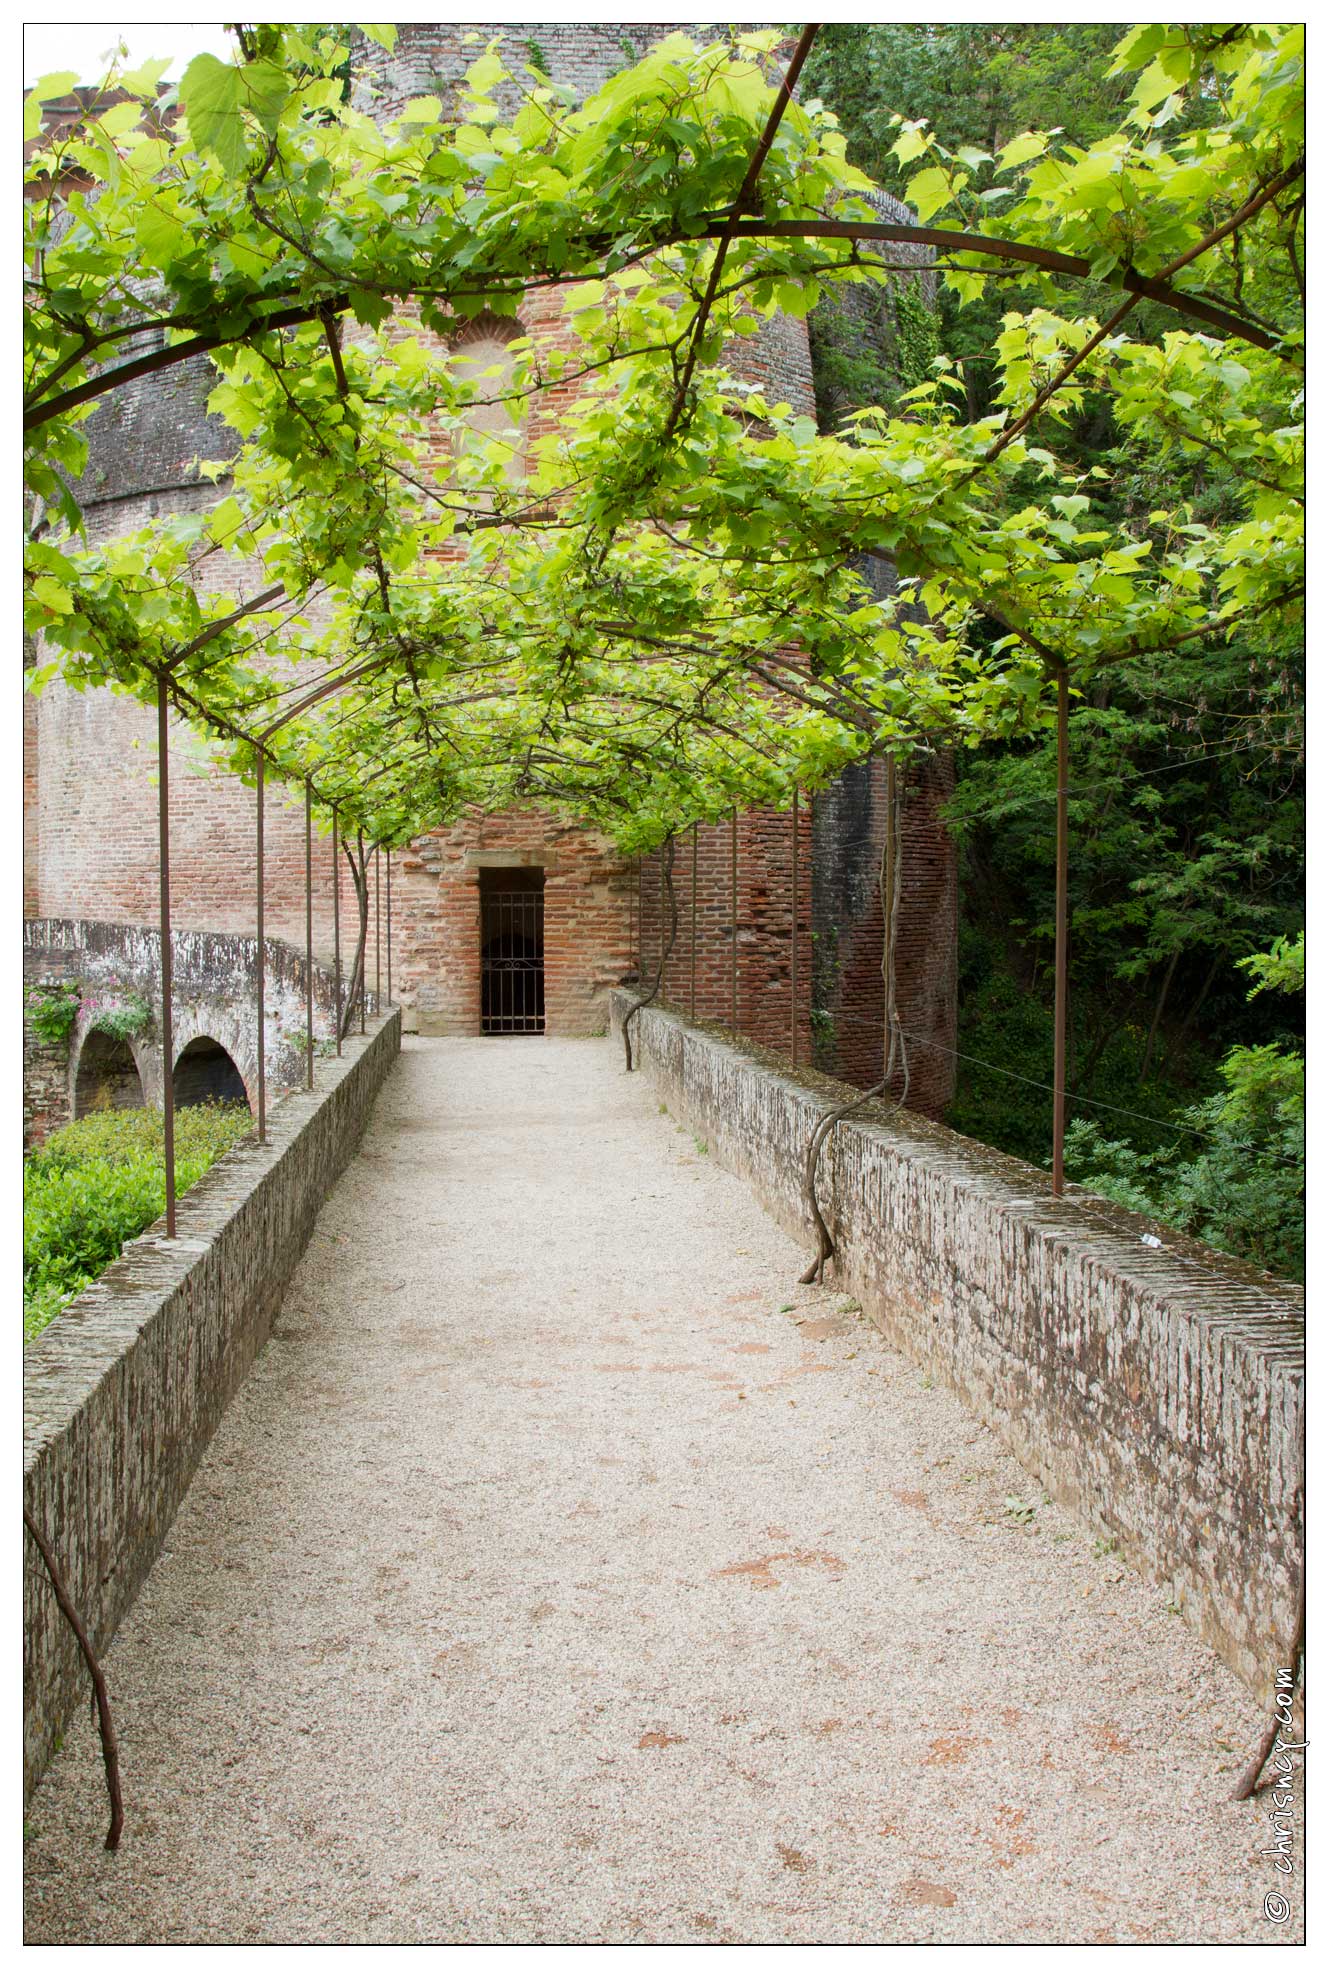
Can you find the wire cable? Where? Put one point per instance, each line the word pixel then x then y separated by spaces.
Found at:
pixel 1046 1087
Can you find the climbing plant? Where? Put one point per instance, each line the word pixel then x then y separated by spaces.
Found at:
pixel 124 1015
pixel 52 1009
pixel 663 619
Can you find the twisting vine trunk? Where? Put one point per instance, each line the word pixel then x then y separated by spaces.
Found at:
pixel 110 1750
pixel 360 879
pixel 893 1042
pixel 1285 1686
pixel 666 950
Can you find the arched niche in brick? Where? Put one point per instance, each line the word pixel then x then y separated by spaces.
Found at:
pixel 205 1071
pixel 106 1075
pixel 482 356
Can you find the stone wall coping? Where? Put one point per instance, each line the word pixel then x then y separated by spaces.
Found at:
pixel 123 1390
pixel 1093 1227
pixel 67 934
pixel 87 1339
pixel 1157 1389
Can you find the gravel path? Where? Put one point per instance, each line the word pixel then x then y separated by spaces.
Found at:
pixel 563 1572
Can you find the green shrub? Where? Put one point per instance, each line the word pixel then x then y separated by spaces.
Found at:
pixel 53 1010
pixel 99 1182
pixel 1239 1184
pixel 1227 1167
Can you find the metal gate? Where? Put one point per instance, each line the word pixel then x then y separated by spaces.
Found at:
pixel 512 959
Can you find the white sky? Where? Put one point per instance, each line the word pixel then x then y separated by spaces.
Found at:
pixel 50 48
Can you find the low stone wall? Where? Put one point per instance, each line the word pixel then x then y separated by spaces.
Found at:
pixel 1156 1388
pixel 123 1391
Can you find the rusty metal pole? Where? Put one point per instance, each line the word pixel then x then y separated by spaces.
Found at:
pixel 262 1075
pixel 664 982
pixel 692 996
pixel 641 930
pixel 309 936
pixel 733 909
pixel 1059 1014
pixel 890 854
pixel 793 941
pixel 387 883
pixel 336 925
pixel 164 869
pixel 364 920
pixel 378 930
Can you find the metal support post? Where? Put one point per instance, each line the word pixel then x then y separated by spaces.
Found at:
pixel 336 924
pixel 692 994
pixel 1059 1013
pixel 378 931
pixel 364 921
pixel 309 936
pixel 262 1074
pixel 387 883
pixel 164 871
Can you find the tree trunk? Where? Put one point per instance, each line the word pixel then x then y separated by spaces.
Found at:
pixel 1158 1013
pixel 1107 1030
pixel 1189 1019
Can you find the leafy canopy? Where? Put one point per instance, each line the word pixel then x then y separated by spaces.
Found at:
pixel 666 616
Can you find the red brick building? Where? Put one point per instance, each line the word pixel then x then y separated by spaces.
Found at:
pixel 500 921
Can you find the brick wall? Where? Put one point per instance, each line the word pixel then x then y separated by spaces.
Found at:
pixel 1158 1390
pixel 832 963
pixel 46 1096
pixel 90 759
pixel 773 956
pixel 123 1391
pixel 31 807
pixel 848 838
pixel 587 891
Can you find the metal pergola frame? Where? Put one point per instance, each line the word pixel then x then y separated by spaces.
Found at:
pixel 737 223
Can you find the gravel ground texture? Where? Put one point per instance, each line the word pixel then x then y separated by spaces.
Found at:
pixel 566 1573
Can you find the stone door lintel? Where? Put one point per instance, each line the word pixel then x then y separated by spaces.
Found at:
pixel 510 858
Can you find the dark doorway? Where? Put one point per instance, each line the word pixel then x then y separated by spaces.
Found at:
pixel 107 1076
pixel 512 950
pixel 205 1071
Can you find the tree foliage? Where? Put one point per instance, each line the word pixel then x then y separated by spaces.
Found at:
pixel 1187 814
pixel 1237 1178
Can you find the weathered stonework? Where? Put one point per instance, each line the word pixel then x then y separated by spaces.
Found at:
pixel 123 1391
pixel 214 996
pixel 1155 1388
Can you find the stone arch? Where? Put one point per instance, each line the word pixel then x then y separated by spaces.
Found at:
pixel 229 1026
pixel 482 346
pixel 106 1075
pixel 205 1071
